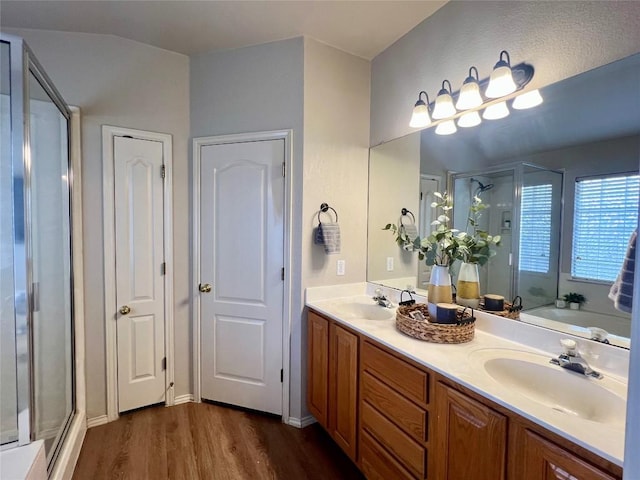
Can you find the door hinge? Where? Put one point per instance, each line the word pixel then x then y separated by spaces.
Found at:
pixel 284 169
pixel 281 375
pixel 164 363
pixel 420 195
pixel 163 172
pixel 282 273
pixel 163 268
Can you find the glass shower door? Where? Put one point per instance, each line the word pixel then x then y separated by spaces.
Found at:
pixel 50 251
pixel 8 350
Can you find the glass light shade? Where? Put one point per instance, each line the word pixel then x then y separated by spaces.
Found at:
pixel 527 100
pixel 446 128
pixel 444 106
pixel 470 119
pixel 420 117
pixel 500 83
pixel 496 111
pixel 469 96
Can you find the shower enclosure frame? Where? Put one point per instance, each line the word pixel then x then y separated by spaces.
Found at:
pixel 23 63
pixel 518 180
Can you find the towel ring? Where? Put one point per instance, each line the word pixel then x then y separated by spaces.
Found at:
pixel 324 208
pixel 404 213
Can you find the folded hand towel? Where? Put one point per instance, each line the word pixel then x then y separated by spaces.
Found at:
pixel 411 231
pixel 328 234
pixel 622 290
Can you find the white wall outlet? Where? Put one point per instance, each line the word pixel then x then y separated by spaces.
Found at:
pixel 389 264
pixel 340 265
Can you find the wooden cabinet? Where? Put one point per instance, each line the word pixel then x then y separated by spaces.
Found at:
pixel 394 415
pixel 401 420
pixel 471 438
pixel 538 458
pixel 318 367
pixel 332 379
pixel 343 388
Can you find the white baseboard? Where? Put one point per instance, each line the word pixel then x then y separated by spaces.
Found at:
pixel 301 422
pixel 95 421
pixel 183 399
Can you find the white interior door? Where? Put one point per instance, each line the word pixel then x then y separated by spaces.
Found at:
pixel 139 270
pixel 241 257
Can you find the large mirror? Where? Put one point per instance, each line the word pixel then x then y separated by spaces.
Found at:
pixel 584 138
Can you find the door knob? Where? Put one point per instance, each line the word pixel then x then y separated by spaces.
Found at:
pixel 204 287
pixel 124 310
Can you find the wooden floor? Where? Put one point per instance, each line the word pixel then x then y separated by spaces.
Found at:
pixel 204 441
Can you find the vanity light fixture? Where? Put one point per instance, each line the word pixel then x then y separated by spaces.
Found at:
pixel 527 100
pixel 501 81
pixel 496 111
pixel 470 92
pixel 463 106
pixel 444 103
pixel 420 117
pixel 446 128
pixel 470 119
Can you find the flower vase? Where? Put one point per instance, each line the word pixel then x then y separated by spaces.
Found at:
pixel 468 286
pixel 439 289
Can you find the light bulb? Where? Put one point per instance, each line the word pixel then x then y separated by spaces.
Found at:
pixel 470 119
pixel 420 117
pixel 446 128
pixel 469 96
pixel 470 92
pixel 496 111
pixel 527 100
pixel 444 103
pixel 501 81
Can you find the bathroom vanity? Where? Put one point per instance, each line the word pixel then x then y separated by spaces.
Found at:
pixel 488 409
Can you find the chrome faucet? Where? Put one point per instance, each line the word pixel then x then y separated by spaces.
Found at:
pixel 381 299
pixel 571 359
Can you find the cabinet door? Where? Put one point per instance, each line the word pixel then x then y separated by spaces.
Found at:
pixel 318 367
pixel 343 388
pixel 471 438
pixel 544 460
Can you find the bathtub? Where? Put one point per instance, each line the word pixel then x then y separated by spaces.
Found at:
pixel 576 322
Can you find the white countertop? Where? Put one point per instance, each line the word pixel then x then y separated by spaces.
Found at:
pixel 454 362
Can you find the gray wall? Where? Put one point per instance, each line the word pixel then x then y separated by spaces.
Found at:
pixel 129 84
pixel 336 153
pixel 560 39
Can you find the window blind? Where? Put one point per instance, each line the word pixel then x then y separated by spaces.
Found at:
pixel 535 228
pixel 605 215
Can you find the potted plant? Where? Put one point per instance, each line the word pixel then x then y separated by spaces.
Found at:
pixel 475 247
pixel 574 300
pixel 439 249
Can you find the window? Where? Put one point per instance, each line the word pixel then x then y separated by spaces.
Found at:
pixel 605 216
pixel 535 228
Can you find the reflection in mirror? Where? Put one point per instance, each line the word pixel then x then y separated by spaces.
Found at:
pixel 587 127
pixel 524 207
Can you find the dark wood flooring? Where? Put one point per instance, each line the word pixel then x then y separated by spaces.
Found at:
pixel 205 441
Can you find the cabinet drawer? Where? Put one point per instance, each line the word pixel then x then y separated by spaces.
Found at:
pixel 407 415
pixel 405 378
pixel 408 451
pixel 377 464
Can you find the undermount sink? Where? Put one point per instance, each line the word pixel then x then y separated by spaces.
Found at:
pixel 355 310
pixel 532 376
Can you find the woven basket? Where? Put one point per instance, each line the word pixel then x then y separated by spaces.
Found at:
pixel 435 332
pixel 507 313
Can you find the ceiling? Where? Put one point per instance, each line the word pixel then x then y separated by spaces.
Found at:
pixel 362 28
